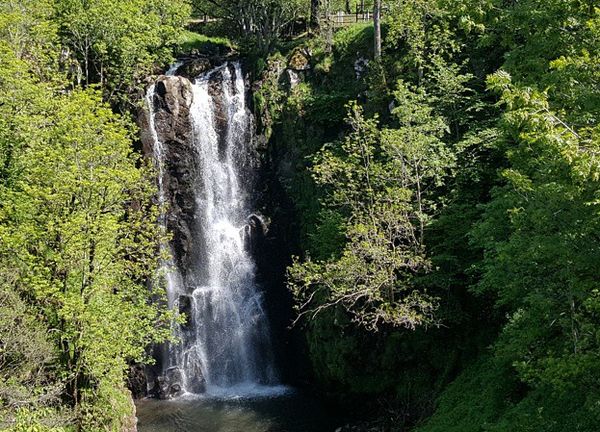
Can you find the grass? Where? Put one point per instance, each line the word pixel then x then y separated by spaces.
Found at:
pixel 192 41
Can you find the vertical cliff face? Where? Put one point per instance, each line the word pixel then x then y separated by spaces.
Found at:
pixel 200 134
pixel 172 98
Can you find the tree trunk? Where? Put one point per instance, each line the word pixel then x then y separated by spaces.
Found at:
pixel 377 25
pixel 329 27
pixel 348 9
pixel 315 17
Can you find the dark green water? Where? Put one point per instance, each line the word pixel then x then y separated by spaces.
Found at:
pixel 292 412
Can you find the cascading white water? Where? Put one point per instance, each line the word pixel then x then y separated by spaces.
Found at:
pixel 226 343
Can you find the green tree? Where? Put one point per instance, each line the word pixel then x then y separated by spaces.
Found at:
pixel 28 29
pixel 381 184
pixel 542 251
pixel 260 22
pixel 538 233
pixel 77 239
pixel 118 44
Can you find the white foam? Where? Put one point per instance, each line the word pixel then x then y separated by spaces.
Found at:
pixel 241 391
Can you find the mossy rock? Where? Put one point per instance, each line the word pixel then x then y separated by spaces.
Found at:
pixel 299 60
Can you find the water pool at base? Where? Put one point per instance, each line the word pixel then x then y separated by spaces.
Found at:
pixel 293 412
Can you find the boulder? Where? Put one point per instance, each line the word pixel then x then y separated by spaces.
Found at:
pixel 169 384
pixel 193 68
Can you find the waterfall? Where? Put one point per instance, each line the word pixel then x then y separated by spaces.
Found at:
pixel 225 343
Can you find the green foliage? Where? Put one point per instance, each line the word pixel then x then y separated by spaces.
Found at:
pixel 541 251
pixel 257 23
pixel 73 233
pixel 507 245
pixel 347 358
pixel 191 42
pixel 476 399
pixel 537 233
pixel 26 349
pixel 268 98
pixel 386 178
pixel 117 44
pixel 77 247
pixel 33 421
pixel 27 28
pixel 353 39
pixel 431 204
pixel 488 397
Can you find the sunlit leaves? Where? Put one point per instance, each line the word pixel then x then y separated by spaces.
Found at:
pixel 382 183
pixel 117 44
pixel 544 266
pixel 77 239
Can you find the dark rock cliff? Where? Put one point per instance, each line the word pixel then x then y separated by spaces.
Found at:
pixel 172 100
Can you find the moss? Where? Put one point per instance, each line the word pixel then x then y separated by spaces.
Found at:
pixel 267 97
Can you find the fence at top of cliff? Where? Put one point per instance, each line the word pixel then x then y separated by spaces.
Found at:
pixel 344 18
pixel 337 19
pixel 203 20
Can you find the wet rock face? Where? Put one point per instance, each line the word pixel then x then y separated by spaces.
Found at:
pixel 196 382
pixel 137 381
pixel 172 101
pixel 184 303
pixel 255 232
pixel 170 384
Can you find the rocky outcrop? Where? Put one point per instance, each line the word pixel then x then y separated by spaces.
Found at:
pixel 299 60
pixel 192 68
pixel 169 384
pixel 172 100
pixel 136 381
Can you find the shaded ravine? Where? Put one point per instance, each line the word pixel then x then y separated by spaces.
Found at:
pixel 202 136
